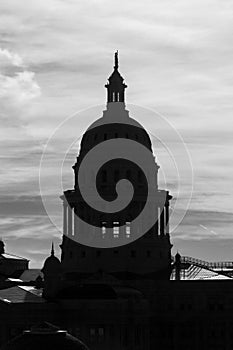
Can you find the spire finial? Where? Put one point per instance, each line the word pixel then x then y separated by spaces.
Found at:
pixel 52 250
pixel 116 60
pixel 116 86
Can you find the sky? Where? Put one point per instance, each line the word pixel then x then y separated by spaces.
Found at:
pixel 177 60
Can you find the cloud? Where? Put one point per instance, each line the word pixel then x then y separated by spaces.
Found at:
pixel 17 85
pixel 205 224
pixel 29 236
pixel 21 205
pixel 8 59
pixel 26 226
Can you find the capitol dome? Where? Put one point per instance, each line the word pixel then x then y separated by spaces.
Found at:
pixel 115 122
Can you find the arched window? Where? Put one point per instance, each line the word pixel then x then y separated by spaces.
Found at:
pixel 116 229
pixel 127 229
pixel 103 229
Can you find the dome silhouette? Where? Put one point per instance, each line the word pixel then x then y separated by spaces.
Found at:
pixel 52 263
pixel 115 123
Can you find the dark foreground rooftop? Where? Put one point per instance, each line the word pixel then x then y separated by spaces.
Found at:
pixel 46 337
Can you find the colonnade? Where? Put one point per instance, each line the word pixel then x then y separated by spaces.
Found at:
pixel 70 222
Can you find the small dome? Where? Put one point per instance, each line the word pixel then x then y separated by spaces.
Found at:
pixel 45 336
pixel 52 263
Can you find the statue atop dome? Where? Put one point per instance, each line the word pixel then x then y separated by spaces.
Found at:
pixel 116 60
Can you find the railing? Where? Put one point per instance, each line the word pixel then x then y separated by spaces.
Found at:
pixel 206 264
pixel 192 271
pixel 194 266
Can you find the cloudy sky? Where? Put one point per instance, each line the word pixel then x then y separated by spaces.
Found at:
pixel 177 60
